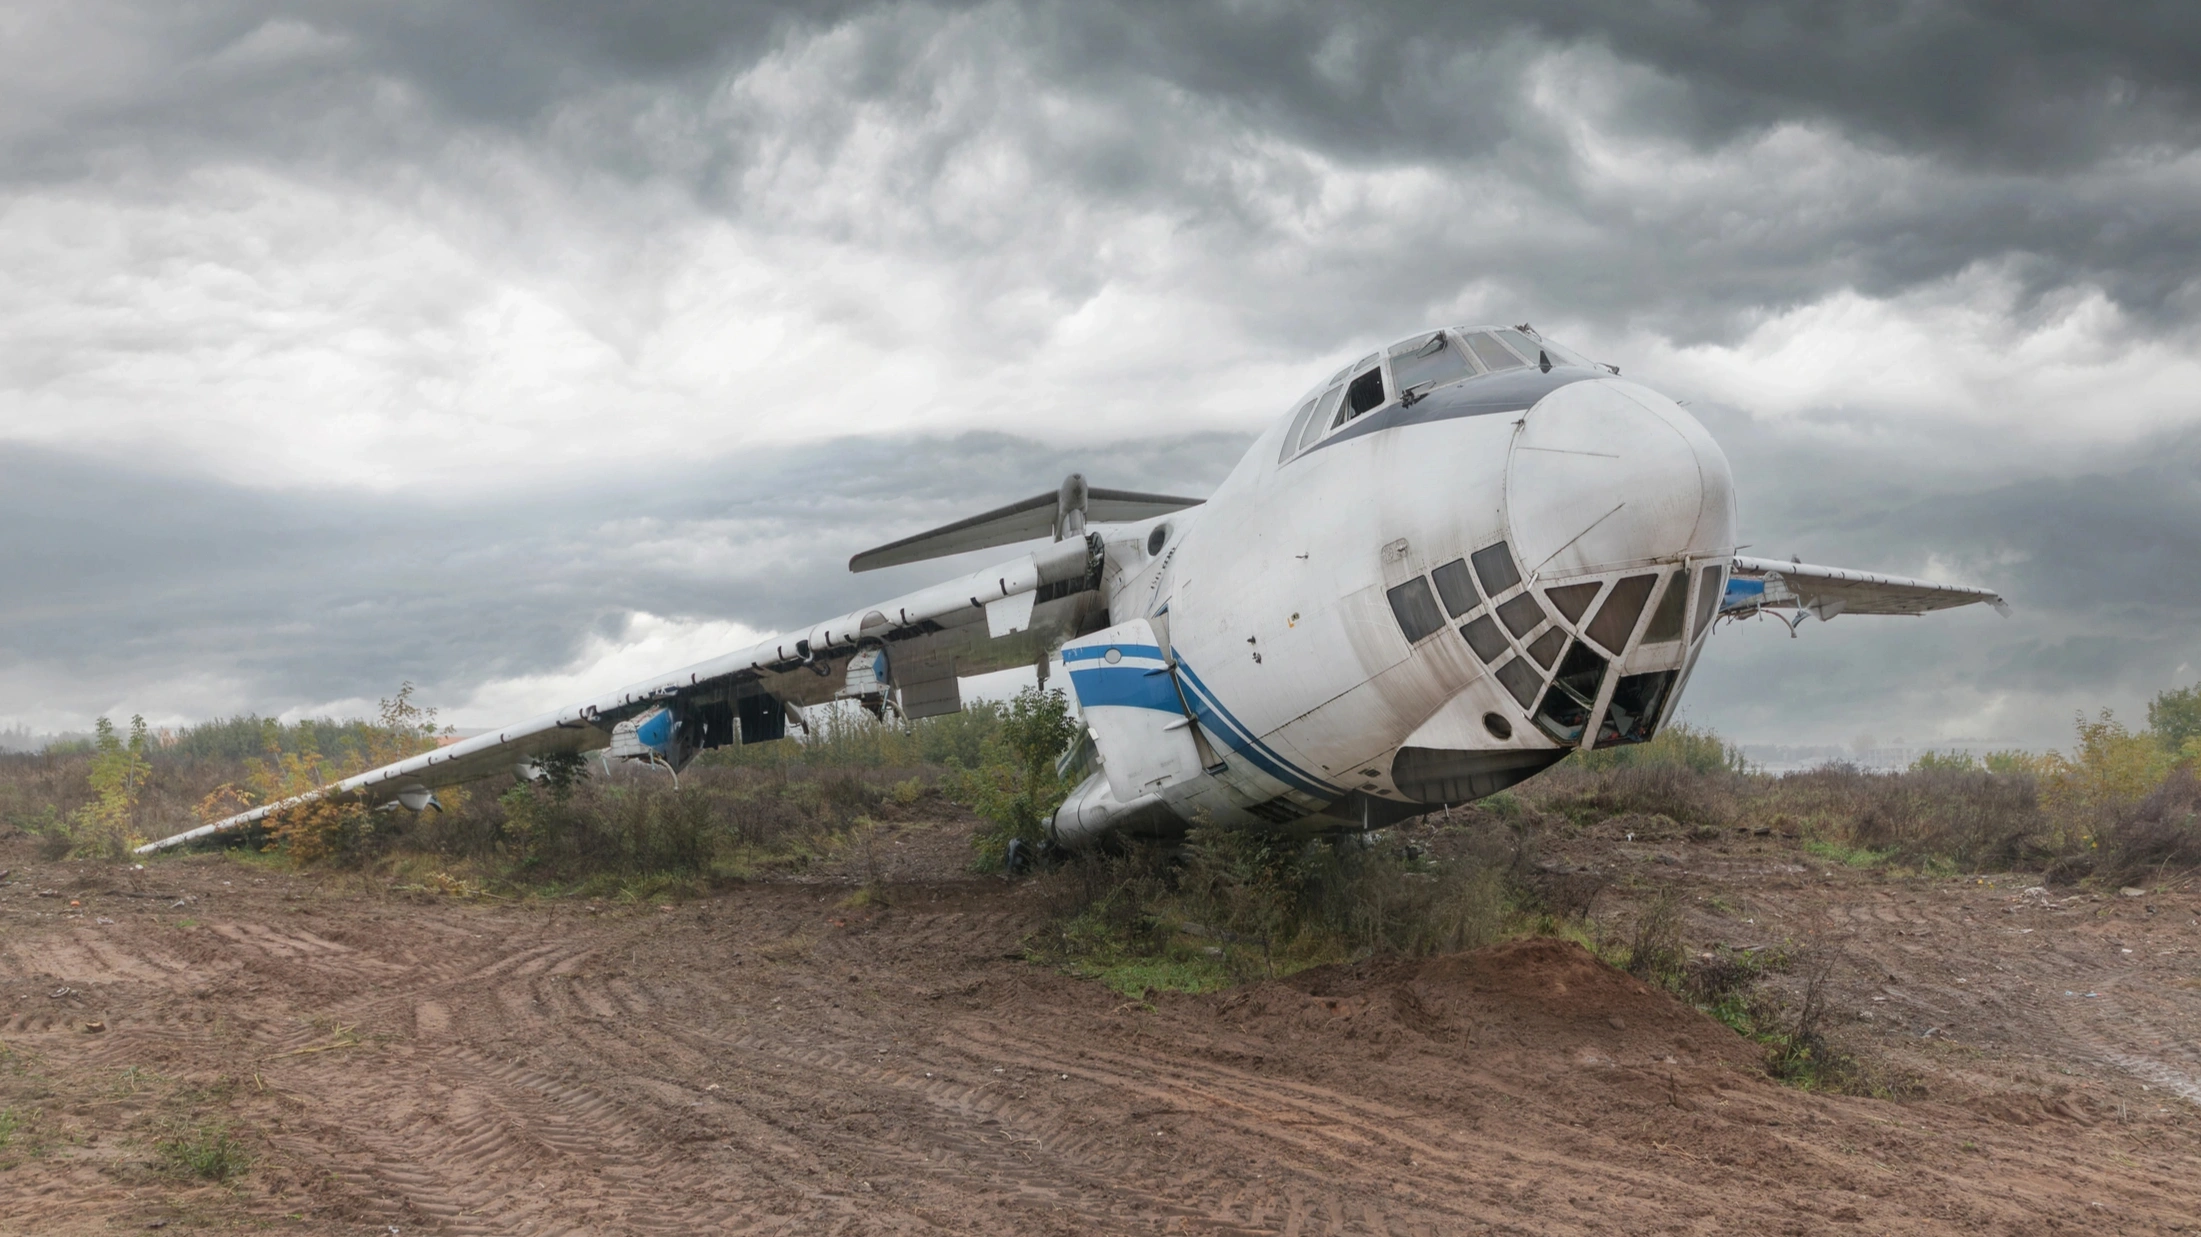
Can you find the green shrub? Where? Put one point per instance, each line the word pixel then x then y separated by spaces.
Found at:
pixel 1014 787
pixel 208 1152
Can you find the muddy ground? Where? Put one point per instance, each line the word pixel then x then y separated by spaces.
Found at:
pixel 774 1060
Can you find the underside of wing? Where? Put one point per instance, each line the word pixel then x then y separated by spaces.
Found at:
pixel 1756 584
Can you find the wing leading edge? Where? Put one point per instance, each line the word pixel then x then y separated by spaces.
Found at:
pixel 1002 616
pixel 1755 584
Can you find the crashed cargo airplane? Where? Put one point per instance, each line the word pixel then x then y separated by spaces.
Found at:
pixel 1449 565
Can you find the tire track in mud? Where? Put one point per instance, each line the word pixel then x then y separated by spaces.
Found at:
pixel 775 1061
pixel 2068 984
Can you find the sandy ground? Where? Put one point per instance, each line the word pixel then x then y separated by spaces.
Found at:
pixel 772 1060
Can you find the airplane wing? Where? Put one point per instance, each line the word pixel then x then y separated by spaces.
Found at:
pixel 907 653
pixel 1755 584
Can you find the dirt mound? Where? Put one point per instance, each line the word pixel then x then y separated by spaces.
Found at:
pixel 1521 997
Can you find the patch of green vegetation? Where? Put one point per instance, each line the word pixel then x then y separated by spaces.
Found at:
pixel 208 1151
pixel 1847 856
pixel 1231 906
pixel 10 1121
pixel 1016 787
pixel 1137 977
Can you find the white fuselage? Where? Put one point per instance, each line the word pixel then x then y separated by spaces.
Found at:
pixel 1346 655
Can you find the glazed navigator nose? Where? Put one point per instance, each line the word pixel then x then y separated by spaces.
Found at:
pixel 1609 474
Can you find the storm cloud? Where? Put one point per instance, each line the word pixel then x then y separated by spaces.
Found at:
pixel 506 347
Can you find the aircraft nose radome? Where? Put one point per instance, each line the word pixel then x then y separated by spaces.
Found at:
pixel 1609 473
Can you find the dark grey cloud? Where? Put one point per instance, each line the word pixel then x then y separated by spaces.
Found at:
pixel 2039 136
pixel 1291 181
pixel 2095 566
pixel 131 576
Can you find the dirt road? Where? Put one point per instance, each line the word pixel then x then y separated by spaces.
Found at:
pixel 772 1060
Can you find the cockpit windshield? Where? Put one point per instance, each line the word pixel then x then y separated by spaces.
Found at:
pixel 1413 367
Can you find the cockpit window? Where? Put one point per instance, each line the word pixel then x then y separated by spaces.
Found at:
pixel 1305 431
pixel 1415 609
pixel 1563 355
pixel 1666 620
pixel 1708 599
pixel 1494 567
pixel 1493 355
pixel 1365 393
pixel 1428 361
pixel 1320 421
pixel 1298 427
pixel 1453 586
pixel 1531 350
pixel 1615 620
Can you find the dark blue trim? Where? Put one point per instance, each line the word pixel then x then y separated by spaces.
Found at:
pixel 1140 687
pixel 656 733
pixel 1239 738
pixel 1508 390
pixel 1130 686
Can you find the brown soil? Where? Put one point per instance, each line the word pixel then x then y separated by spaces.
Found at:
pixel 774 1060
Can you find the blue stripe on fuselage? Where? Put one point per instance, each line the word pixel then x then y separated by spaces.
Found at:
pixel 1239 738
pixel 1137 687
pixel 1149 687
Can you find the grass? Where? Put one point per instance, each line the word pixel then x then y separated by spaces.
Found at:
pixel 1847 856
pixel 1139 978
pixel 1228 907
pixel 208 1151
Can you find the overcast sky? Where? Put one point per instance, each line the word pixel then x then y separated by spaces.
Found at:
pixel 524 349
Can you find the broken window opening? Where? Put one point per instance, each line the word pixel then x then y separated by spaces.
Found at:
pixel 1494 567
pixel 1453 586
pixel 1666 620
pixel 1415 609
pixel 1615 620
pixel 1494 355
pixel 1572 600
pixel 1708 599
pixel 1521 615
pixel 1566 709
pixel 1483 636
pixel 1632 717
pixel 1521 679
pixel 1365 393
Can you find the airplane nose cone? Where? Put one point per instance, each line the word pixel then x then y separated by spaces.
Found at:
pixel 1611 473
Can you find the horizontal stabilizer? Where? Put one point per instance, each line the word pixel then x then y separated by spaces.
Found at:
pixel 1037 516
